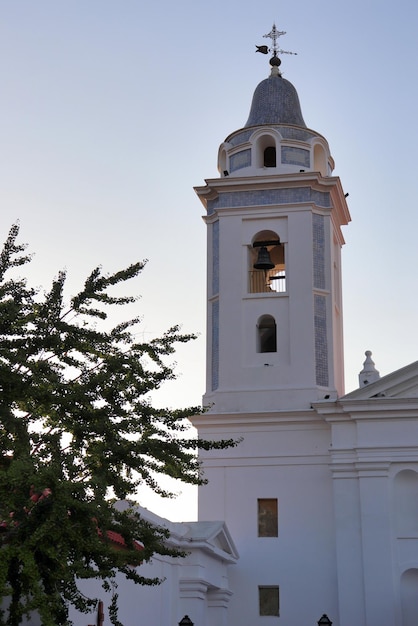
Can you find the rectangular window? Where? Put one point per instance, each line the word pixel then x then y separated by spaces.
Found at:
pixel 269 601
pixel 267 517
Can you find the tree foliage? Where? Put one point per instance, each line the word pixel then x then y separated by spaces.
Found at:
pixel 77 431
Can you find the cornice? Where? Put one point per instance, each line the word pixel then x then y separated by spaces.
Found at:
pixel 380 408
pixel 330 184
pixel 253 421
pixel 244 183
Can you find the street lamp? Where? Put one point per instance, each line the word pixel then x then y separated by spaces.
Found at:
pixel 186 621
pixel 324 621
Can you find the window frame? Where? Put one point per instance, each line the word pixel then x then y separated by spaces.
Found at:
pixel 266 527
pixel 272 601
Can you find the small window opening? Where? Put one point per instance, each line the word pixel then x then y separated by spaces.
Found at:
pixel 270 156
pixel 267 517
pixel 267 334
pixel 269 601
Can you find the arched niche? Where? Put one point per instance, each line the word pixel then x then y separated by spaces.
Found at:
pixel 406 503
pixel 223 162
pixel 409 597
pixel 266 334
pixel 265 151
pixel 320 163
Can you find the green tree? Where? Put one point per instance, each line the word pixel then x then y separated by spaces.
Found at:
pixel 77 431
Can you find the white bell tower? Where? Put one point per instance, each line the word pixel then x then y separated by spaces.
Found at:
pixel 274 348
pixel 274 326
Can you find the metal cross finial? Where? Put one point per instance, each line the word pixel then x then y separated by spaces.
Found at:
pixel 274 34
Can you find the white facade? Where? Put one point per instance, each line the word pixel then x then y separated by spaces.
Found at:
pixel 374 466
pixel 342 470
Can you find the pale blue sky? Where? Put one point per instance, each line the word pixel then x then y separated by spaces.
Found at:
pixel 111 111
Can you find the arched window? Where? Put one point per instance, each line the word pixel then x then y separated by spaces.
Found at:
pixel 409 597
pixel 406 503
pixel 270 156
pixel 265 152
pixel 270 276
pixel 266 334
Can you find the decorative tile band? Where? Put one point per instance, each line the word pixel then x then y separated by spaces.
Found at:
pixel 321 343
pixel 295 156
pixel 298 134
pixel 240 137
pixel 318 235
pixel 265 197
pixel 287 132
pixel 215 258
pixel 240 160
pixel 215 345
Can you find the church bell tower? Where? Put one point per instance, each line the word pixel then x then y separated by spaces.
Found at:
pixel 274 222
pixel 274 349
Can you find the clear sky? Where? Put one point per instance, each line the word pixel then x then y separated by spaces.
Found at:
pixel 112 110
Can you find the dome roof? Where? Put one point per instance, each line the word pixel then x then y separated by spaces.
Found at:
pixel 275 101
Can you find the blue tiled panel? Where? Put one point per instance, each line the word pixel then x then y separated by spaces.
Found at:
pixel 298 134
pixel 239 160
pixel 295 156
pixel 269 196
pixel 215 258
pixel 321 344
pixel 240 138
pixel 287 132
pixel 318 235
pixel 215 344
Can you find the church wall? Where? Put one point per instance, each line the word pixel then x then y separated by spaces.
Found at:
pixel 289 462
pixel 375 474
pixel 155 604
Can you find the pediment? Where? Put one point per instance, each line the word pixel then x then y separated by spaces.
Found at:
pixel 211 537
pixel 402 383
pixel 214 535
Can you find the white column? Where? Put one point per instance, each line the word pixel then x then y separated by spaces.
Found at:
pixel 377 545
pixel 218 600
pixel 193 601
pixel 348 545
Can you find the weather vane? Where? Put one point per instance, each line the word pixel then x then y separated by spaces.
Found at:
pixel 274 34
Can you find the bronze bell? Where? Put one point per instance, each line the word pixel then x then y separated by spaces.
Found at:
pixel 264 261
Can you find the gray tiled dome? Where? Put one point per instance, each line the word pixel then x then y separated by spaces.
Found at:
pixel 275 101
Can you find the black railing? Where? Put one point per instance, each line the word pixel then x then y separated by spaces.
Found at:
pixel 265 281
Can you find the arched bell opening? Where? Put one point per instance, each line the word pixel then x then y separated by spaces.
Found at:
pixel 266 334
pixel 270 156
pixel 267 264
pixel 266 151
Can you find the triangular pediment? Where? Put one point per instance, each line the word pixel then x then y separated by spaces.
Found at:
pixel 214 535
pixel 402 383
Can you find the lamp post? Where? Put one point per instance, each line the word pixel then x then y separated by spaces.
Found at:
pixel 186 621
pixel 324 621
